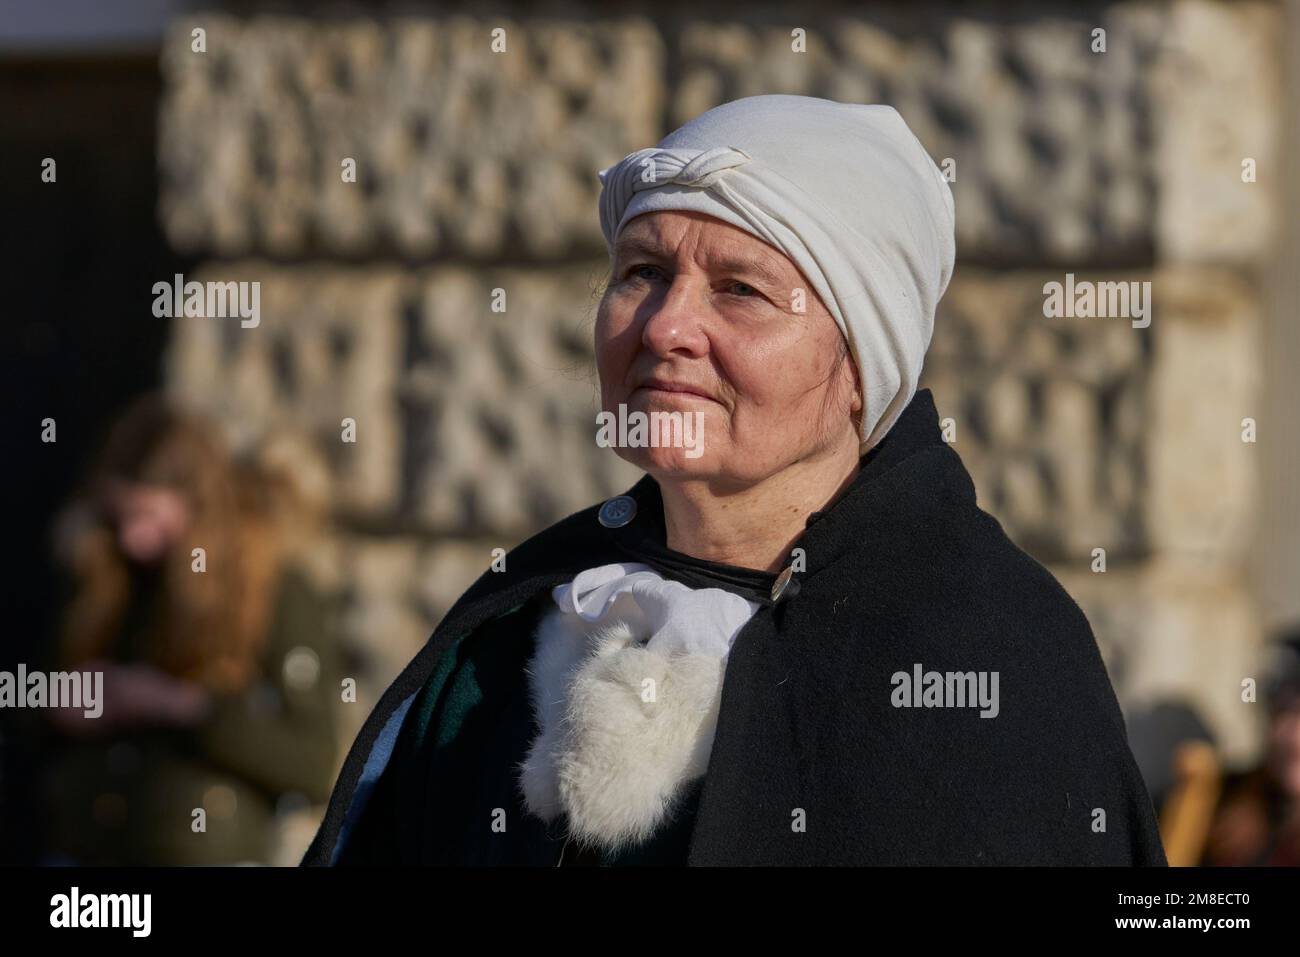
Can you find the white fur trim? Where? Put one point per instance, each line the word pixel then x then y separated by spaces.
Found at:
pixel 614 762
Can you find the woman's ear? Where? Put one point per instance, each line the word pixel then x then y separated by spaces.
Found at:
pixel 855 399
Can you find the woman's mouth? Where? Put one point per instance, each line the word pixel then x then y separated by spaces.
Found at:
pixel 670 390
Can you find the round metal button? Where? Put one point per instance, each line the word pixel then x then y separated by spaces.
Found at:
pixel 617 512
pixel 782 582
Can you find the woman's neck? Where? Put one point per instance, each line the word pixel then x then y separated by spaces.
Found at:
pixel 753 527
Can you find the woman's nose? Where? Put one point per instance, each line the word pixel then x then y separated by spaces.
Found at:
pixel 677 323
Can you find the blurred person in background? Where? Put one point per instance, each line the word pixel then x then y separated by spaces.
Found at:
pixel 1258 819
pixel 220 668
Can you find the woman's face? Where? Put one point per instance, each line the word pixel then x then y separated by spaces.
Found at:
pixel 703 319
pixel 149 519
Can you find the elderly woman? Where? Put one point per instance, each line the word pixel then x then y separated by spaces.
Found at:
pixel 796 640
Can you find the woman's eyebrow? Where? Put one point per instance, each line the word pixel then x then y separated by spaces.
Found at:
pixel 637 247
pixel 753 267
pixel 626 248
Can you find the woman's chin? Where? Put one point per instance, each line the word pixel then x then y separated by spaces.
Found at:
pixel 670 462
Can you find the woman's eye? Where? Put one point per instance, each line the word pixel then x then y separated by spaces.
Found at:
pixel 743 289
pixel 644 272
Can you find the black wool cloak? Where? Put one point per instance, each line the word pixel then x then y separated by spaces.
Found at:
pixel 827 749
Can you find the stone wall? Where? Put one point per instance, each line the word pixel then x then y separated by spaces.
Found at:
pixel 476 180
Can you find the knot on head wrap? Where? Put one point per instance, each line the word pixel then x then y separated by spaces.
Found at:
pixel 846 192
pixel 654 167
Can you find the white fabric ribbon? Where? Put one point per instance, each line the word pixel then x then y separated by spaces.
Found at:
pixel 669 617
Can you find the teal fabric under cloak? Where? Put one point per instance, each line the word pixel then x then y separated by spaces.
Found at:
pixel 450 792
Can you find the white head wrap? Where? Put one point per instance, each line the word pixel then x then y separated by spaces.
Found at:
pixel 845 191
